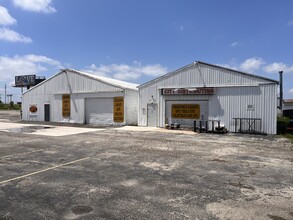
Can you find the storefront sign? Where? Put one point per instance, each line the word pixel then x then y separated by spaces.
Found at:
pixel 186 111
pixel 118 109
pixel 66 105
pixel 190 91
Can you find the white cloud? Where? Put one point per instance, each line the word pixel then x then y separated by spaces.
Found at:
pixel 43 6
pixel 5 17
pixel 276 67
pixel 234 44
pixel 257 63
pixel 252 64
pixel 127 72
pixel 291 91
pixel 7 34
pixel 25 65
pixel 178 27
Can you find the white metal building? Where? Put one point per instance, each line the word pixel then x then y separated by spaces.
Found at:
pixel 77 97
pixel 202 91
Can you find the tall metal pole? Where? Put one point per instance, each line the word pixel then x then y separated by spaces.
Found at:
pixel 5 94
pixel 281 92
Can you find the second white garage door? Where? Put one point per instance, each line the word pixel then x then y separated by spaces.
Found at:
pixel 99 111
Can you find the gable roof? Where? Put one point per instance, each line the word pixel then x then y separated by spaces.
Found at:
pixel 106 80
pixel 110 81
pixel 207 64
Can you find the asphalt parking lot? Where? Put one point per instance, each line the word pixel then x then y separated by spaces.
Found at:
pixel 133 173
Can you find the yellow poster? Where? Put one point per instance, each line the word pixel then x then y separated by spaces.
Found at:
pixel 118 115
pixel 186 111
pixel 66 106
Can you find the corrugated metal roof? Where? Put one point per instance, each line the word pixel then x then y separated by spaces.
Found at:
pixel 114 82
pixel 106 80
pixel 207 64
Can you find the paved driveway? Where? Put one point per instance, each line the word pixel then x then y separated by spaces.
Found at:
pixel 137 174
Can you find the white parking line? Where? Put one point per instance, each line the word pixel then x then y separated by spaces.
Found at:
pixel 41 171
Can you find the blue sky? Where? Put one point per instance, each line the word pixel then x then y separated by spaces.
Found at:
pixel 136 40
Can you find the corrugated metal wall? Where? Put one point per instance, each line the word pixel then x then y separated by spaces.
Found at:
pixel 79 88
pixel 233 93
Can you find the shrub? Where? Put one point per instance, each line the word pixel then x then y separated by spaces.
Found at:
pixel 282 123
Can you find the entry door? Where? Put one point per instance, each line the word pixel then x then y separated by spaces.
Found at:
pixel 47 112
pixel 152 115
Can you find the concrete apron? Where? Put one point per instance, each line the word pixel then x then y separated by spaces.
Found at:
pixel 46 130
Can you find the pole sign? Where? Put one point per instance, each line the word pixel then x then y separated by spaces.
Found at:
pixel 118 104
pixel 189 91
pixel 25 80
pixel 66 105
pixel 185 111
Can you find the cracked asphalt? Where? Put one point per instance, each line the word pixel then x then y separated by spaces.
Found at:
pixel 134 174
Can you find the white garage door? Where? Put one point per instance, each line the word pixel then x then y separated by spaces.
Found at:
pixel 99 111
pixel 201 113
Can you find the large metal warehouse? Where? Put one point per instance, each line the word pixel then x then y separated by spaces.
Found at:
pixel 202 91
pixel 78 97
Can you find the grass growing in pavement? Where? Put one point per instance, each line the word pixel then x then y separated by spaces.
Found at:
pixel 289 136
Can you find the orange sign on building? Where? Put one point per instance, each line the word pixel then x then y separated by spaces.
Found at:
pixel 118 115
pixel 186 111
pixel 66 105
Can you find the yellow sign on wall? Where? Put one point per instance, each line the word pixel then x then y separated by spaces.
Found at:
pixel 186 111
pixel 118 115
pixel 66 106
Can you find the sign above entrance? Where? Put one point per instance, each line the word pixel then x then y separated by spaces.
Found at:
pixel 186 111
pixel 189 91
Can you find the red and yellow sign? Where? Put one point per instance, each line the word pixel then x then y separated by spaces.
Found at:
pixel 185 111
pixel 33 109
pixel 66 105
pixel 190 91
pixel 118 104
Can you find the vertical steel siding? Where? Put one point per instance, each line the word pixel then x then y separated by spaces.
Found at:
pixel 233 92
pixel 79 87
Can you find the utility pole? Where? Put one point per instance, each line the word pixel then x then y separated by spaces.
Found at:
pixel 281 92
pixel 5 94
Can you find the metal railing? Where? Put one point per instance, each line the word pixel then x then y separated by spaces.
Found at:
pixel 247 125
pixel 207 126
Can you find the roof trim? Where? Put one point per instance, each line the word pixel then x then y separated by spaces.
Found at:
pixel 88 75
pixel 241 72
pixel 41 83
pixel 207 64
pixel 96 77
